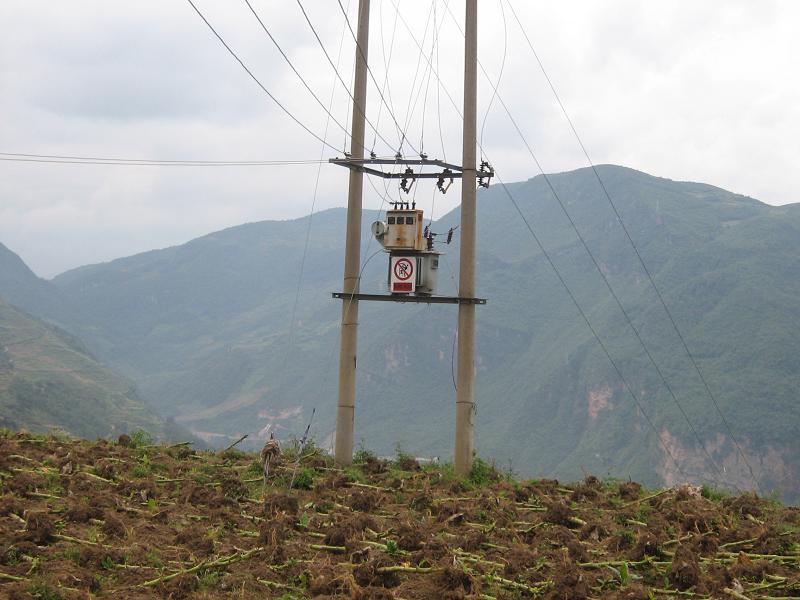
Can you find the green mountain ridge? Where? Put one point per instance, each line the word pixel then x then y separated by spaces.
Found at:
pixel 205 331
pixel 21 287
pixel 49 380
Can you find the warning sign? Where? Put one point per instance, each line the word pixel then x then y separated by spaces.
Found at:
pixel 401 274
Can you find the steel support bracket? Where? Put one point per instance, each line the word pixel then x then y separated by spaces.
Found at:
pixel 442 169
pixel 412 299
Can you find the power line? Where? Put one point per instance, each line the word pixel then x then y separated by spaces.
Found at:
pixel 500 75
pixel 436 71
pixel 336 70
pixel 588 323
pixel 615 297
pixel 438 102
pixel 372 76
pixel 434 45
pixel 254 78
pixel 146 162
pixel 386 61
pixel 636 250
pixel 296 72
pixel 605 280
pixel 413 85
pixel 577 232
pixel 292 321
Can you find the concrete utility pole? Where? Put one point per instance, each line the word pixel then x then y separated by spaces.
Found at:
pixel 345 411
pixel 465 393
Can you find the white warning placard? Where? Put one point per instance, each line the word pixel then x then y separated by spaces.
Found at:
pixel 402 274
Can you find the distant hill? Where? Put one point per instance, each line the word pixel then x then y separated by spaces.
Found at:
pixel 205 331
pixel 48 380
pixel 21 287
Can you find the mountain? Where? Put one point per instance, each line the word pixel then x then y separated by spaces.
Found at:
pixel 48 380
pixel 20 286
pixel 207 332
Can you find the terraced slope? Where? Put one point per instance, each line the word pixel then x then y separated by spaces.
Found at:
pixel 49 380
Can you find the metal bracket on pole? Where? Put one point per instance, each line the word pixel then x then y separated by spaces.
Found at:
pixel 412 299
pixel 443 170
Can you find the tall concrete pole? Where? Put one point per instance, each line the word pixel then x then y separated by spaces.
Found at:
pixel 345 410
pixel 465 392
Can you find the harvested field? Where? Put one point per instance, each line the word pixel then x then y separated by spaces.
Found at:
pixel 131 520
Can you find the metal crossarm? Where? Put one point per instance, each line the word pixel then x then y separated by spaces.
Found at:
pixel 413 299
pixel 443 169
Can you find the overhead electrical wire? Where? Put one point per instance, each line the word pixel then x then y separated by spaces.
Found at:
pixel 301 272
pixel 424 81
pixel 372 77
pixel 257 81
pixel 596 264
pixel 436 71
pixel 555 269
pixel 19 157
pixel 292 324
pixel 351 101
pixel 635 249
pixel 336 70
pixel 499 76
pixel 420 56
pixel 434 45
pixel 294 69
pixel 146 162
pixel 435 48
pixel 438 103
pixel 588 323
pixel 387 61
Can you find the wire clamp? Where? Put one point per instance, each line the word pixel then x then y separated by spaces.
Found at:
pixel 408 174
pixel 485 174
pixel 440 182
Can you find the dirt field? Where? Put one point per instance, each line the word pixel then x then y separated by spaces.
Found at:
pixel 128 519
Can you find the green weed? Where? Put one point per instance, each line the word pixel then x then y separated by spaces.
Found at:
pixel 209 579
pixel 303 521
pixel 392 547
pixel 362 455
pixel 713 493
pixel 153 559
pixel 141 438
pixel 254 469
pixel 140 471
pixel 44 591
pixel 482 473
pixel 304 479
pixel 354 474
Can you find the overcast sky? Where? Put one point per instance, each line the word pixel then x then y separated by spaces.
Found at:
pixel 704 91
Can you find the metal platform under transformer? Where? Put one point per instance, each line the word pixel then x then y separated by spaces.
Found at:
pixel 412 299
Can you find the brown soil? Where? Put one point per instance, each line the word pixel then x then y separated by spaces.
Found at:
pixel 113 525
pixel 275 504
pixel 684 572
pixel 128 522
pixel 39 528
pixel 629 490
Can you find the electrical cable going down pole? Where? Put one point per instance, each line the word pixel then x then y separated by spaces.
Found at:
pixel 345 410
pixel 465 392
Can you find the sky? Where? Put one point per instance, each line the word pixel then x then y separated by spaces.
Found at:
pixel 688 90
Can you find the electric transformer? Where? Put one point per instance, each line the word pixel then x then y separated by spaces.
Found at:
pixel 413 262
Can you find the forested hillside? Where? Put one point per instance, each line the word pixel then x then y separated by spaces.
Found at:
pixel 205 330
pixel 48 380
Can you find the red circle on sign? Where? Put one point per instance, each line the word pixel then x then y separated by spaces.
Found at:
pixel 403 269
